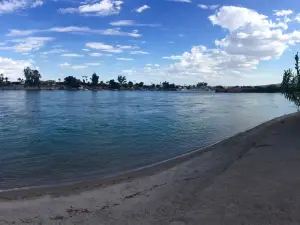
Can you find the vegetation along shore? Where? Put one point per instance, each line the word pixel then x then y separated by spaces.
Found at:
pixel 33 81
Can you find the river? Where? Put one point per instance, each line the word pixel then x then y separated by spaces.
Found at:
pixel 52 137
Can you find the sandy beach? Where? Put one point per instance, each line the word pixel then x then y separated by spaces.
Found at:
pixel 251 178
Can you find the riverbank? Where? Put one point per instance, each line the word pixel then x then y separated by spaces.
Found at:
pixel 251 178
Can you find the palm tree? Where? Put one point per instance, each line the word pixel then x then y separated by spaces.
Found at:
pixel 19 79
pixel 122 80
pixel 59 80
pixel 95 79
pixel 84 79
pixel 36 77
pixel 1 79
pixel 28 77
pixel 6 79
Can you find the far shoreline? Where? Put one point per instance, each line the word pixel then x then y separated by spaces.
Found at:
pixel 146 90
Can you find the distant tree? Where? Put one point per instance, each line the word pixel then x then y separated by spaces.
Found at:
pixel 113 84
pixel 19 79
pixel 201 84
pixel 157 86
pixel 32 77
pixel 59 80
pixel 1 79
pixel 220 87
pixel 153 86
pixel 6 79
pixel 72 82
pixel 36 78
pixel 95 79
pixel 102 84
pixel 49 83
pixel 172 86
pixel 165 85
pixel 130 84
pixel 84 79
pixel 122 80
pixel 141 84
pixel 291 83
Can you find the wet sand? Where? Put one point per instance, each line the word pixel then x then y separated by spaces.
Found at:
pixel 251 178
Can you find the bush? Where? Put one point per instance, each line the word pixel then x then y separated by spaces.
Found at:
pixel 290 85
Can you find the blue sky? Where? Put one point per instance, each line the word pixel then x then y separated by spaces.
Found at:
pixel 183 41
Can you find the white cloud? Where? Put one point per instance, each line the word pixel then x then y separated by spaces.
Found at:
pixel 123 23
pixel 78 67
pixel 103 47
pixel 139 53
pixel 85 49
pixel 10 6
pixel 127 47
pixel 132 23
pixel 13 69
pixel 95 54
pixel 71 55
pixel 242 35
pixel 75 29
pixel 27 44
pixel 251 34
pixel 93 64
pixel 70 66
pixel 37 3
pixel 142 8
pixel 211 7
pixel 252 37
pixel 282 12
pixel 297 18
pixel 173 57
pixel 14 33
pixel 210 63
pixel 118 32
pixel 128 71
pixel 124 59
pixel 103 8
pixel 65 64
pixel 232 17
pixel 54 51
pixel 67 29
pixel 186 1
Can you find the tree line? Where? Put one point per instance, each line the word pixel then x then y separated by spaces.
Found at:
pixel 121 83
pixel 33 79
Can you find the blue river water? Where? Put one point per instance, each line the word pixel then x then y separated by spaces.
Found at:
pixel 52 137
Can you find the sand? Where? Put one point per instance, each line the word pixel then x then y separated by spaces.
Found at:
pixel 251 178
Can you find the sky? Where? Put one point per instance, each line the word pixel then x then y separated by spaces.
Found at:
pixel 221 42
